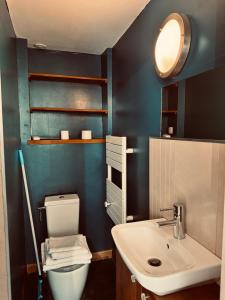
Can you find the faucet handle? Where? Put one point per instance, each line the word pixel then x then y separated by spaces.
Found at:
pixel 178 210
pixel 166 209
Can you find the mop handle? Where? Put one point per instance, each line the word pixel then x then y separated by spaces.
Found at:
pixel 29 211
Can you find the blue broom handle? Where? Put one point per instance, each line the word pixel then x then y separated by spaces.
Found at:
pixel 40 281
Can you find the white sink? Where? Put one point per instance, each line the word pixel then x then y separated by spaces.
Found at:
pixel 183 262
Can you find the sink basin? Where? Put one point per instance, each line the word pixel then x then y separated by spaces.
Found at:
pixel 161 263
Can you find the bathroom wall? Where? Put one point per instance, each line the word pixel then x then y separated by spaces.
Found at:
pixel 222 281
pixel 192 173
pixel 73 168
pixel 204 110
pixel 11 184
pixel 136 113
pixel 4 257
pixel 137 89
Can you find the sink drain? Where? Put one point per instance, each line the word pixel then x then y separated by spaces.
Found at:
pixel 154 262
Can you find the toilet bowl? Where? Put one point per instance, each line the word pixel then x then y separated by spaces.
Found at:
pixel 68 283
pixel 62 211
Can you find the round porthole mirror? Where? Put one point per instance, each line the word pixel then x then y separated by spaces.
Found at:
pixel 172 45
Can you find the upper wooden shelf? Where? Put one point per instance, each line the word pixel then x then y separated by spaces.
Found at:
pixel 169 111
pixel 68 110
pixel 68 78
pixel 72 141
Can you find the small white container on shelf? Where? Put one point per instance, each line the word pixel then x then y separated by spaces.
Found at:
pixel 170 130
pixel 86 134
pixel 64 135
pixel 36 138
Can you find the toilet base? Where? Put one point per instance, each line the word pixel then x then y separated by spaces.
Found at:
pixel 68 283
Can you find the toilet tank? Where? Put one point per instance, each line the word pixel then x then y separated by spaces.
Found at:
pixel 62 213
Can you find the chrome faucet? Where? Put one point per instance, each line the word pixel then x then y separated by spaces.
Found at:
pixel 177 222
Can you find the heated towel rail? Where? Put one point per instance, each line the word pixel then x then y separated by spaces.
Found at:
pixel 116 197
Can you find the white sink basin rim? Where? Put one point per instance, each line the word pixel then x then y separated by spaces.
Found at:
pixel 182 263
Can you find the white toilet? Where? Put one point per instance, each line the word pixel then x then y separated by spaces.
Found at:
pixel 62 212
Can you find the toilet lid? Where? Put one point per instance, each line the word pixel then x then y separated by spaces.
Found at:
pixel 67 269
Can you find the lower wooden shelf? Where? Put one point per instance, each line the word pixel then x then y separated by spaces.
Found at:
pixel 68 110
pixel 72 141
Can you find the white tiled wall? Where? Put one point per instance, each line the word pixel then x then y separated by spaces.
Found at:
pixel 192 173
pixel 222 280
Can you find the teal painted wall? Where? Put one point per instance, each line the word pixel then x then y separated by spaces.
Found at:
pixel 106 62
pixel 11 127
pixel 137 89
pixel 136 103
pixel 56 169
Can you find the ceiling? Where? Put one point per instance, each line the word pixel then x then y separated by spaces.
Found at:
pixel 87 26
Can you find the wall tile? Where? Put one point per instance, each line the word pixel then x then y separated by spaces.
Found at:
pixel 192 173
pixel 220 203
pixel 3 288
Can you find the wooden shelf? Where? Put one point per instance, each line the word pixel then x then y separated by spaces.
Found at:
pixel 72 141
pixel 68 110
pixel 169 111
pixel 67 78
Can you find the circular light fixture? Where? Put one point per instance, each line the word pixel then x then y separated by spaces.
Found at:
pixel 172 45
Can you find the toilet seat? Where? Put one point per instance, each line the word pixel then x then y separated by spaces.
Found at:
pixel 68 268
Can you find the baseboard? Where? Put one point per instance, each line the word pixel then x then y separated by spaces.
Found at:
pixel 31 268
pixel 96 256
pixel 102 255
